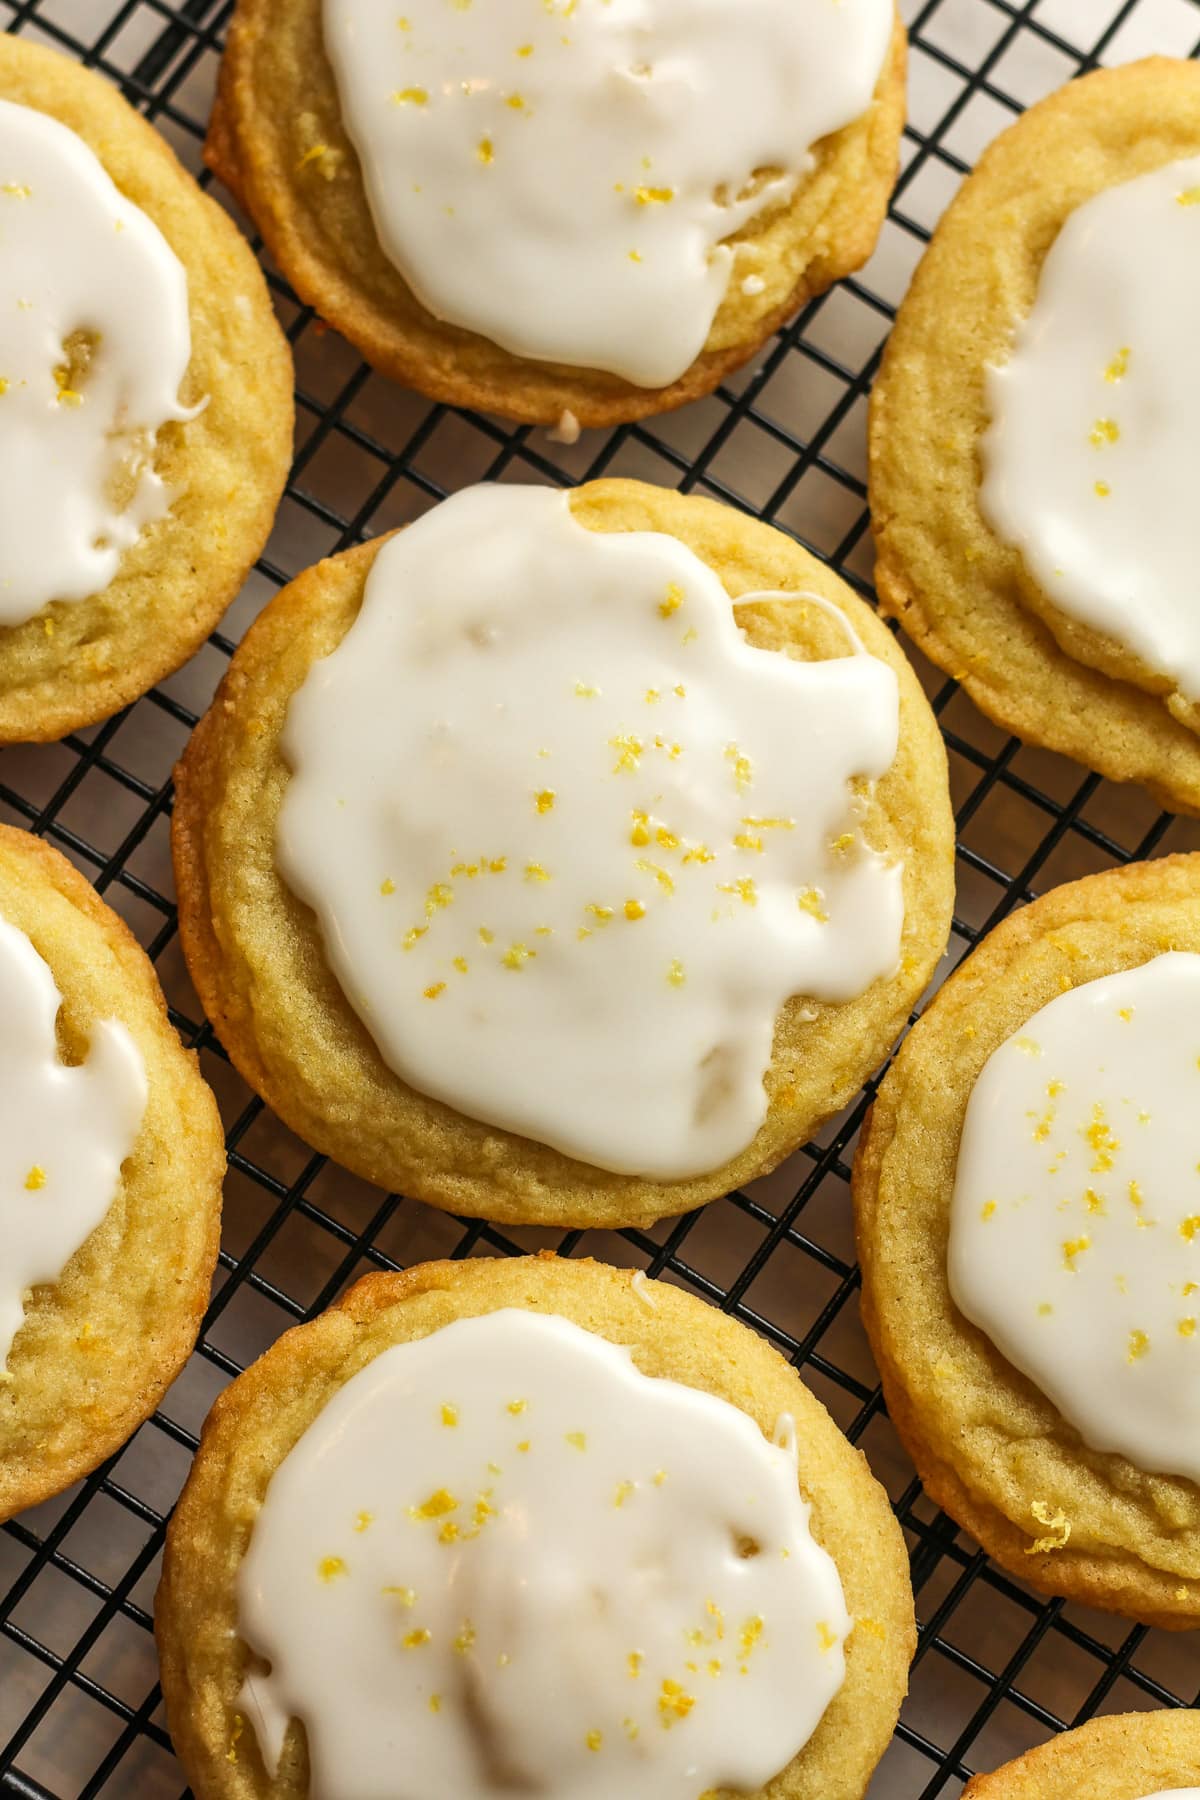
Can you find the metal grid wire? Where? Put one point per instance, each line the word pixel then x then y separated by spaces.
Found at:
pixel 997 1669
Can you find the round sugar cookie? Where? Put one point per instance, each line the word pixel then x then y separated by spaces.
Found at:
pixel 279 140
pixel 301 992
pixel 119 232
pixel 1126 1756
pixel 1025 1179
pixel 1012 623
pixel 110 1180
pixel 208 1587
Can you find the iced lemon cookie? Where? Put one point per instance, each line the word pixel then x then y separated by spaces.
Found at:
pixel 1130 1756
pixel 145 402
pixel 570 207
pixel 476 1486
pixel 564 859
pixel 111 1160
pixel 1028 1205
pixel 1032 431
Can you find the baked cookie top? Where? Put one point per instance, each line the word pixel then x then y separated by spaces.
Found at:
pixel 994 376
pixel 111 1161
pixel 502 1479
pixel 1128 1756
pixel 582 208
pixel 145 402
pixel 1027 1229
pixel 533 790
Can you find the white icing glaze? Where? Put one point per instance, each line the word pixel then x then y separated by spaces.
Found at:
pixel 1090 457
pixel 64 1131
pixel 1075 1222
pixel 76 446
pixel 503 1561
pixel 571 839
pixel 548 173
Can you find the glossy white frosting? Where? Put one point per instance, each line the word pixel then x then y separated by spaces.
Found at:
pixel 1089 461
pixel 1075 1221
pixel 572 842
pixel 64 1131
pixel 559 175
pixel 77 444
pixel 502 1560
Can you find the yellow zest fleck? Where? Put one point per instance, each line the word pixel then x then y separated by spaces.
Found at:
pixel 435 1703
pixel 416 1640
pixel 413 934
pixel 630 1729
pixel 654 196
pixel 1189 196
pixel 516 102
pixel 651 696
pixel 634 910
pixel 466 1638
pixel 544 802
pixel 1139 1344
pixel 407 1596
pixel 516 1407
pixel 640 833
pixel 523 1446
pixel 1187 1227
pixel 1057 1525
pixel 660 1475
pixel 577 1439
pixel 36 1178
pixel 440 895
pixel 825 1637
pixel 635 1661
pixel 449 1414
pixel 486 936
pixel 17 190
pixel 699 853
pixel 593 1740
pixel 746 840
pixel 535 872
pixel 461 964
pixel 628 749
pixel 1055 1088
pixel 1102 490
pixel 1074 1247
pixel 1136 1197
pixel 714 1612
pixel 498 864
pixel 524 49
pixel 623 1491
pixel 673 1703
pixel 987 1209
pixel 1045 1309
pixel 1027 1046
pixel 635 256
pixel 601 914
pixel 809 901
pixel 1102 1141
pixel 1093 1201
pixel 671 601
pixel 363 1520
pixel 743 768
pixel 1186 1328
pixel 432 992
pixel 744 888
pixel 439 1503
pixel 330 1567
pixel 387 886
pixel 750 1635
pixel 410 96
pixel 585 690
pixel 1118 366
pixel 1104 431
pixel 676 975
pixel 517 955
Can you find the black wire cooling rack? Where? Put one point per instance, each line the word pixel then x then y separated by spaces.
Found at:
pixel 997 1669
